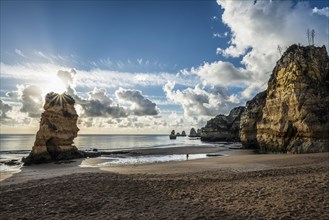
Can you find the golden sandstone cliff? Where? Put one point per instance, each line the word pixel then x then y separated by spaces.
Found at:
pixel 58 128
pixel 249 118
pixel 292 115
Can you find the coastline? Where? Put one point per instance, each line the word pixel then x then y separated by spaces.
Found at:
pixel 228 160
pixel 85 165
pixel 238 186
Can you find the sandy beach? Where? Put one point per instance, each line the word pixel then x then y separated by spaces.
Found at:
pixel 239 185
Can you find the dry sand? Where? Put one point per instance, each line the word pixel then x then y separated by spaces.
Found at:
pixel 239 186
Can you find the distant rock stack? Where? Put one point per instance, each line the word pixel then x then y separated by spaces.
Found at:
pixel 293 114
pixel 193 133
pixel 222 127
pixel 172 135
pixel 58 128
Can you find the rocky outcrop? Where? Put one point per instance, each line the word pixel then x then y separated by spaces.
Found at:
pixel 183 134
pixel 58 128
pixel 223 128
pixel 198 132
pixel 249 119
pixel 172 135
pixel 193 133
pixel 294 117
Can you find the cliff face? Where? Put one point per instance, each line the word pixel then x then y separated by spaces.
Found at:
pixel 58 128
pixel 223 128
pixel 293 114
pixel 249 118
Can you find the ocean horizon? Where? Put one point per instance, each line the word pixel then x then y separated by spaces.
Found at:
pixel 102 142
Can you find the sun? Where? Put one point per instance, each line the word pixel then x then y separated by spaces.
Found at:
pixel 59 99
pixel 54 85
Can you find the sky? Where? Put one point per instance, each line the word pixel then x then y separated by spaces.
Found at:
pixel 145 67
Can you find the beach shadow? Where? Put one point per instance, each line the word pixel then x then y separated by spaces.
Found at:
pixel 108 196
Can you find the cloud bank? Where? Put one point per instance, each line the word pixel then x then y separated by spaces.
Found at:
pixel 197 102
pixel 4 108
pixel 139 104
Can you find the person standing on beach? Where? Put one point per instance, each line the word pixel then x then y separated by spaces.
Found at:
pixel 186 156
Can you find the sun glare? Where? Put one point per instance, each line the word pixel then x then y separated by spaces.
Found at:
pixel 54 85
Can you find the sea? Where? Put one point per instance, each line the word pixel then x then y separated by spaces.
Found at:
pixel 17 146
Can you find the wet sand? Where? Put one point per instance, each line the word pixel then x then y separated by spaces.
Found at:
pixel 241 185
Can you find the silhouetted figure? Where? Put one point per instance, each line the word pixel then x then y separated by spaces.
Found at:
pixel 186 156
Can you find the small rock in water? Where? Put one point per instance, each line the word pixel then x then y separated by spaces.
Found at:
pixel 11 163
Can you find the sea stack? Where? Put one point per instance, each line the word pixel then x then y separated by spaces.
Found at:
pixel 58 128
pixel 294 116
pixel 172 135
pixel 193 133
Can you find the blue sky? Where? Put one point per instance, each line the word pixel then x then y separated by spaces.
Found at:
pixel 166 64
pixel 175 34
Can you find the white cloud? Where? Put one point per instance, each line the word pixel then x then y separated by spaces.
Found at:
pixel 18 120
pixel 139 104
pixel 44 56
pixel 46 77
pixel 100 95
pixel 266 24
pixel 19 52
pixel 322 11
pixel 30 98
pixel 43 75
pixel 98 104
pixel 140 61
pixel 199 103
pixel 256 31
pixel 4 108
pixel 220 35
pixel 67 76
pixel 222 73
pixel 116 79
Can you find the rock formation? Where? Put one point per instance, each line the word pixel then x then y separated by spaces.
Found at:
pixel 294 117
pixel 198 132
pixel 193 133
pixel 223 128
pixel 249 118
pixel 172 135
pixel 183 134
pixel 58 128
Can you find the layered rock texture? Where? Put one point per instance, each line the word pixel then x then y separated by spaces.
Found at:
pixel 293 114
pixel 58 128
pixel 249 118
pixel 222 127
